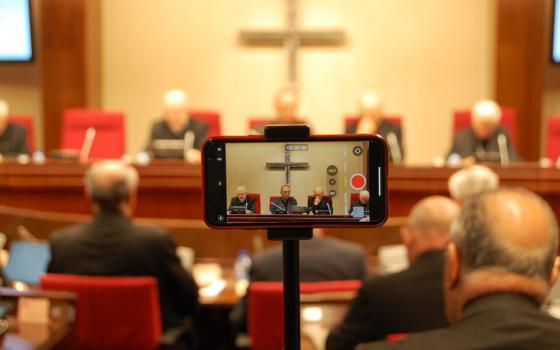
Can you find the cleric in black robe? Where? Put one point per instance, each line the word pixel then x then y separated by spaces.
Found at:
pixel 177 124
pixel 285 203
pixel 486 140
pixel 320 204
pixel 371 122
pixel 362 202
pixel 13 138
pixel 241 200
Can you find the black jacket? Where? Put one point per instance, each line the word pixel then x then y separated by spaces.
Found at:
pixel 493 322
pixel 466 144
pixel 161 131
pixel 248 204
pixel 278 206
pixel 316 264
pixel 13 141
pixel 325 206
pixel 111 245
pixel 403 302
pixel 385 128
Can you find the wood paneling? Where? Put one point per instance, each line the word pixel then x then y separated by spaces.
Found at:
pixel 520 59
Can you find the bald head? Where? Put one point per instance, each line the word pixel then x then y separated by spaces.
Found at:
pixel 471 181
pixel 485 118
pixel 4 109
pixel 370 106
pixel 176 106
pixel 110 183
pixel 511 230
pixel 286 104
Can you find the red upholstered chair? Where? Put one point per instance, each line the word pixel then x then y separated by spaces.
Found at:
pixel 257 198
pixel 353 119
pixel 25 121
pixel 395 337
pixel 266 307
pixel 553 138
pixel 212 118
pixel 462 119
pixel 109 128
pixel 112 312
pixel 354 197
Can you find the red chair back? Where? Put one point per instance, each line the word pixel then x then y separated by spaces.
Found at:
pixel 109 128
pixel 266 306
pixel 353 119
pixel 211 118
pixel 112 312
pixel 553 138
pixel 25 121
pixel 257 198
pixel 462 119
pixel 354 197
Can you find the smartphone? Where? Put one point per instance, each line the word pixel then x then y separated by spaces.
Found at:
pixel 316 181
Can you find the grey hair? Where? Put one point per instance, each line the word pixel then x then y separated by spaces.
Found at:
pixel 471 181
pixel 118 189
pixel 483 247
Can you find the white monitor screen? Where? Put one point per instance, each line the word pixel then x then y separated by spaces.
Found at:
pixel 15 31
pixel 556 33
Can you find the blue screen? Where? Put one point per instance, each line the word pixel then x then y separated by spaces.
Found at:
pixel 15 31
pixel 556 33
pixel 28 261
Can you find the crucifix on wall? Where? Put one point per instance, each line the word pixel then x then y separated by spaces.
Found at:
pixel 287 165
pixel 291 38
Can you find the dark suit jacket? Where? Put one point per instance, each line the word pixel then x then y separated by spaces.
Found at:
pixel 358 204
pixel 279 204
pixel 161 131
pixel 493 322
pixel 384 129
pixel 325 206
pixel 316 264
pixel 403 302
pixel 112 245
pixel 248 204
pixel 467 144
pixel 13 141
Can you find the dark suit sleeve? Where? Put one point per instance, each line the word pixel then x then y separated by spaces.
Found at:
pixel 21 143
pixel 360 324
pixel 201 135
pixel 461 145
pixel 180 283
pixel 230 204
pixel 253 206
pixel 398 132
pixel 153 136
pixel 513 156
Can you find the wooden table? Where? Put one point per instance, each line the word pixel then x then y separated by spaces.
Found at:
pixel 171 189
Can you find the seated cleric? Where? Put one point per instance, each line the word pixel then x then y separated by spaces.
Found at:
pixel 320 204
pixel 371 122
pixel 241 201
pixel 186 134
pixel 285 203
pixel 486 139
pixel 362 202
pixel 13 138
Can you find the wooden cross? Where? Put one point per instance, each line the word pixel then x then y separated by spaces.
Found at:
pixel 287 165
pixel 292 37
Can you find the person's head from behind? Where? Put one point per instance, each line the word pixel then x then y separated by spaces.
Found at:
pixel 241 193
pixel 176 109
pixel 364 197
pixel 112 186
pixel 285 192
pixel 504 241
pixel 485 118
pixel 470 181
pixel 4 112
pixel 286 104
pixel 370 106
pixel 318 192
pixel 429 223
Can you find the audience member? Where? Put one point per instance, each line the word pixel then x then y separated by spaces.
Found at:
pixel 13 138
pixel 112 245
pixel 499 268
pixel 471 181
pixel 410 300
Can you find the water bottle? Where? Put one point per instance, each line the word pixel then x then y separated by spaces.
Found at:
pixel 241 271
pixel 38 157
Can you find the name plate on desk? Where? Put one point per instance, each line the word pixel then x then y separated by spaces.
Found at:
pixel 33 310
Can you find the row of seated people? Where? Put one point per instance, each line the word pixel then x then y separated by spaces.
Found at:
pixel 317 203
pixel 486 132
pixel 499 266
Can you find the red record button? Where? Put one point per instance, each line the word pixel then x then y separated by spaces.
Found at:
pixel 358 181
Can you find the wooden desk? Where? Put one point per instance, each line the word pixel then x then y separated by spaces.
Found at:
pixel 171 189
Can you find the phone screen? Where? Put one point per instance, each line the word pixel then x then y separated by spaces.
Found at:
pixel 321 181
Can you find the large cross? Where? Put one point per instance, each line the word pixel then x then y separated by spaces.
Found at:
pixel 287 165
pixel 292 37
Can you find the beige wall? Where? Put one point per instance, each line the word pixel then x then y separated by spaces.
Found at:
pixel 425 57
pixel 252 172
pixel 20 83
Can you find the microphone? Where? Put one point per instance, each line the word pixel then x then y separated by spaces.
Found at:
pixel 87 144
pixel 394 147
pixel 329 207
pixel 279 207
pixel 503 148
pixel 189 143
